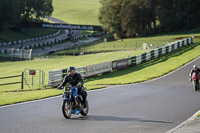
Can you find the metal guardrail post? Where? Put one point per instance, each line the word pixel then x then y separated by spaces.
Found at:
pixel 12 54
pixel 30 54
pixel 22 84
pixel 152 54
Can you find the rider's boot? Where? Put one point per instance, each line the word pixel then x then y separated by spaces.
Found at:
pixel 84 103
pixel 84 95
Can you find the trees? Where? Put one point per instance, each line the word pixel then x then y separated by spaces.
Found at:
pixel 166 15
pixel 35 8
pixel 12 12
pixel 9 13
pixel 137 17
pixel 178 14
pixel 187 13
pixel 126 18
pixel 109 16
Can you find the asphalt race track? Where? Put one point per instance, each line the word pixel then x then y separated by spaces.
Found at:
pixel 151 107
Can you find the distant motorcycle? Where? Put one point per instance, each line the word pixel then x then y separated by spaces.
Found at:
pixel 73 103
pixel 195 80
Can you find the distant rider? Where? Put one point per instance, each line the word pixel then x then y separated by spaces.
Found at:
pixel 76 80
pixel 194 69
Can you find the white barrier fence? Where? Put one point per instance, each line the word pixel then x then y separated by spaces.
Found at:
pixel 55 77
pixel 16 54
pixel 5 44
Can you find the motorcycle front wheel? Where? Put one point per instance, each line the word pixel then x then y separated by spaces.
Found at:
pixel 67 109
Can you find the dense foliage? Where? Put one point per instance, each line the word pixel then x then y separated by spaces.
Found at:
pixel 129 18
pixel 12 12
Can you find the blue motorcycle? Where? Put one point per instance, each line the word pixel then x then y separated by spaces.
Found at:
pixel 73 103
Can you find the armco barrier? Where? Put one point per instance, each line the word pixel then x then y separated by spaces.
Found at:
pixel 52 41
pixel 133 63
pixel 55 77
pixel 97 69
pixel 29 40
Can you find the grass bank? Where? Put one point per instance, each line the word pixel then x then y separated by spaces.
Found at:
pixel 153 41
pixel 159 66
pixel 135 74
pixel 77 11
pixel 15 68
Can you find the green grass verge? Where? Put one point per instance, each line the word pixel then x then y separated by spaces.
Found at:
pixel 135 74
pixel 16 97
pixel 77 11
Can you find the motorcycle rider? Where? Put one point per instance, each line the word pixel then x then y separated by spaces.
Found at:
pixel 194 69
pixel 75 79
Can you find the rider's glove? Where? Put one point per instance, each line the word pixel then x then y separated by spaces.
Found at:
pixel 78 85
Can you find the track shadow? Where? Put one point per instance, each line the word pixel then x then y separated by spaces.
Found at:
pixel 115 118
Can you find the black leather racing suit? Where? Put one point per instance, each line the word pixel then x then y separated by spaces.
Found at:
pixel 74 81
pixel 192 71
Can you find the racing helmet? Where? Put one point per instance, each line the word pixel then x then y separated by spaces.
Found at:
pixel 195 67
pixel 71 70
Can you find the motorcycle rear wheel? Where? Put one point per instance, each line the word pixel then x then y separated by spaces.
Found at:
pixel 67 109
pixel 196 85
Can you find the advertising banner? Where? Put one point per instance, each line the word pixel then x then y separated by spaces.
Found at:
pixel 62 26
pixel 98 68
pixel 121 64
pixel 32 72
